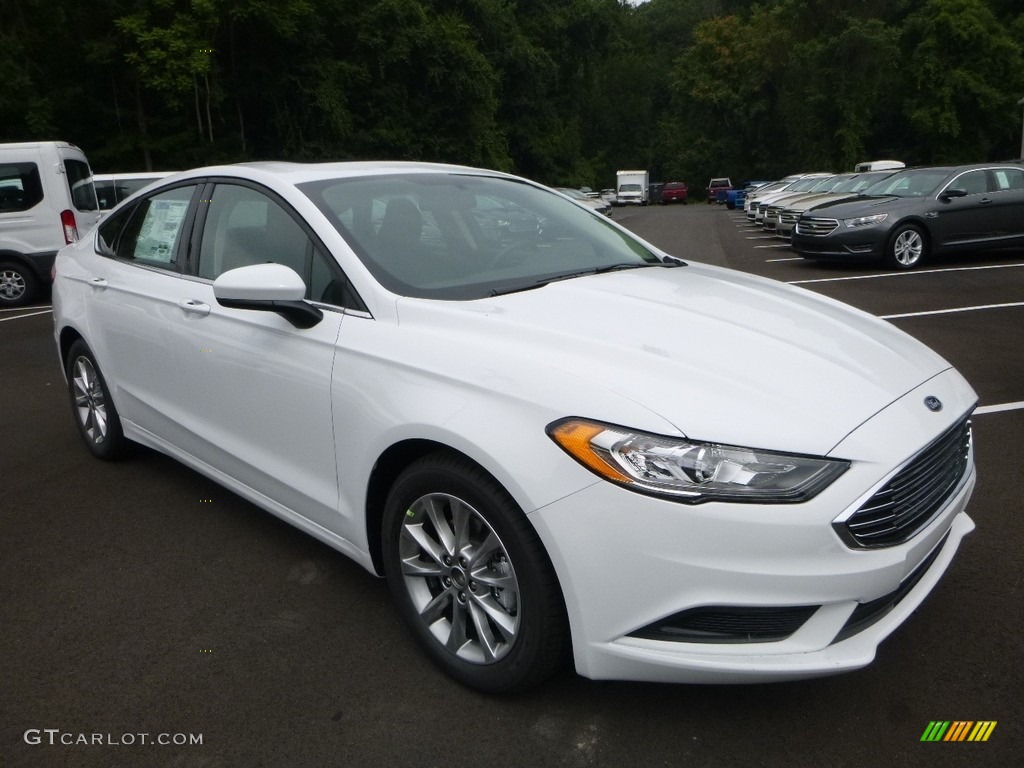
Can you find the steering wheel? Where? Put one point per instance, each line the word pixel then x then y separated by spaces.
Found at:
pixel 505 253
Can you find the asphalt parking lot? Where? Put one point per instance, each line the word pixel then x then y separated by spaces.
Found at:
pixel 141 598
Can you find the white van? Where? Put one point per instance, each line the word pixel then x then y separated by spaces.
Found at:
pixel 879 165
pixel 111 189
pixel 47 200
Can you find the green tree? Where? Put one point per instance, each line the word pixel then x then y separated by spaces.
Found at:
pixel 964 74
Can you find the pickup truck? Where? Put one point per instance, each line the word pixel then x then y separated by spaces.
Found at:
pixel 717 190
pixel 673 192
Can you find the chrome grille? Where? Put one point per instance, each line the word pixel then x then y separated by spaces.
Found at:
pixel 788 217
pixel 915 494
pixel 806 226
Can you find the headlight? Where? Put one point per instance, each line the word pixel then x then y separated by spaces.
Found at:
pixel 863 221
pixel 691 471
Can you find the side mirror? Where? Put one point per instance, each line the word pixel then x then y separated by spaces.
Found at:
pixel 267 288
pixel 949 194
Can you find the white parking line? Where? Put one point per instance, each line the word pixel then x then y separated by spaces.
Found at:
pixel 791 258
pixel 22 309
pixel 20 317
pixel 955 309
pixel 998 409
pixel 762 237
pixel 904 274
pixel 776 245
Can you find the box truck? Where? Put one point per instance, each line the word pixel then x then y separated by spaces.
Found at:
pixel 631 188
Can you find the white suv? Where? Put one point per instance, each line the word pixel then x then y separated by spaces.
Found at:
pixel 46 199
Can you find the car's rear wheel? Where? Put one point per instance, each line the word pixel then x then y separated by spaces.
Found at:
pixel 95 414
pixel 18 285
pixel 470 576
pixel 907 247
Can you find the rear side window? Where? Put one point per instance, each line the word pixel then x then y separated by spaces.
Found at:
pixel 1009 178
pixel 83 194
pixel 150 231
pixel 20 187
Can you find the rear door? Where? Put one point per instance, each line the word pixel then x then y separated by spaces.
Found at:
pixel 134 282
pixel 1008 203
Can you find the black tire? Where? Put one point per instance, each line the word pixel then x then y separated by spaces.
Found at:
pixel 480 597
pixel 18 284
pixel 907 247
pixel 95 415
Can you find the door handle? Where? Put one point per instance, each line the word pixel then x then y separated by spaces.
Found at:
pixel 97 282
pixel 985 201
pixel 193 307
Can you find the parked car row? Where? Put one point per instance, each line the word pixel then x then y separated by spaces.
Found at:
pixel 598 204
pixel 898 216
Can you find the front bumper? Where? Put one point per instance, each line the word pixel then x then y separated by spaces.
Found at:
pixel 628 561
pixel 865 244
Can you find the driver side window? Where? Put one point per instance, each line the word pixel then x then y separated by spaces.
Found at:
pixel 973 182
pixel 245 227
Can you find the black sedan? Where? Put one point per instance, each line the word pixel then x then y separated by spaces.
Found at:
pixel 919 212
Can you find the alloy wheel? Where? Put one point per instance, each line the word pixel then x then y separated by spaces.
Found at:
pixel 908 247
pixel 12 285
pixel 90 404
pixel 460 579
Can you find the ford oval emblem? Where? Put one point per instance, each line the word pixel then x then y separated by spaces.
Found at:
pixel 933 403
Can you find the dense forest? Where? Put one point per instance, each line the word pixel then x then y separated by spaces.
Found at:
pixel 563 91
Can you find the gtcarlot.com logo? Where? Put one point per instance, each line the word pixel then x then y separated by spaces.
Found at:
pixel 54 737
pixel 958 730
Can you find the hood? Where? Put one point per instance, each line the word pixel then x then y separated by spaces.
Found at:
pixel 819 201
pixel 848 208
pixel 722 356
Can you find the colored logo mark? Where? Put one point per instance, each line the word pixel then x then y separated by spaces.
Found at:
pixel 958 730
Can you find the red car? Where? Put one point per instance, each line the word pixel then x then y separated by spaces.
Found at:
pixel 673 192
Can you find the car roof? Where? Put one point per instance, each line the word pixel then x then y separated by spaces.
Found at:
pixel 139 175
pixel 300 173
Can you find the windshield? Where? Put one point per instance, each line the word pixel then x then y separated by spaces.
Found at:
pixel 917 183
pixel 861 181
pixel 775 186
pixel 463 236
pixel 805 184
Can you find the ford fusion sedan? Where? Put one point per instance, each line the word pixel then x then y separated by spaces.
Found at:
pixel 917 213
pixel 476 413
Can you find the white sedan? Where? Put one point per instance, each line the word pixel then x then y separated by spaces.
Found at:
pixel 460 379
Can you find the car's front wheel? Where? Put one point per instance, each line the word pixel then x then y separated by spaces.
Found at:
pixel 18 286
pixel 95 414
pixel 907 247
pixel 470 576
